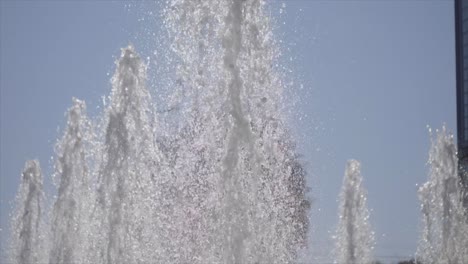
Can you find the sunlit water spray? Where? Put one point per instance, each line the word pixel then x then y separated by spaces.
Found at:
pixel 28 230
pixel 222 184
pixel 68 238
pixel 354 237
pixel 444 237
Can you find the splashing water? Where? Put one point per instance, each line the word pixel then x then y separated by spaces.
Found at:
pixel 125 171
pixel 27 238
pixel 354 238
pixel 445 230
pixel 71 171
pixel 221 184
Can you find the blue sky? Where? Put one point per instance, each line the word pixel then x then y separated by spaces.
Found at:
pixel 374 75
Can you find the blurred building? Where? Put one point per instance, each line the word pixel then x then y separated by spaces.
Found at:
pixel 461 47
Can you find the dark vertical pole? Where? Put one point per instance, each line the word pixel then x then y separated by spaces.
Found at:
pixel 462 113
pixel 459 76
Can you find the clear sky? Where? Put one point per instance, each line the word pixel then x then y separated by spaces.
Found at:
pixel 374 75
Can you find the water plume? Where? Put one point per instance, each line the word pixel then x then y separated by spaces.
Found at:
pixel 125 177
pixel 70 212
pixel 235 104
pixel 354 238
pixel 27 238
pixel 444 238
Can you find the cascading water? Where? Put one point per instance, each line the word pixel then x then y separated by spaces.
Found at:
pixel 354 238
pixel 68 241
pixel 222 184
pixel 128 164
pixel 445 228
pixel 27 238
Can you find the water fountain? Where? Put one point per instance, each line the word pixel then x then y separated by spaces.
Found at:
pixel 354 238
pixel 445 229
pixel 28 232
pixel 222 184
pixel 67 238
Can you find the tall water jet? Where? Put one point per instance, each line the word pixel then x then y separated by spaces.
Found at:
pixel 235 218
pixel 234 103
pixel 354 238
pixel 27 239
pixel 125 183
pixel 444 237
pixel 71 208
